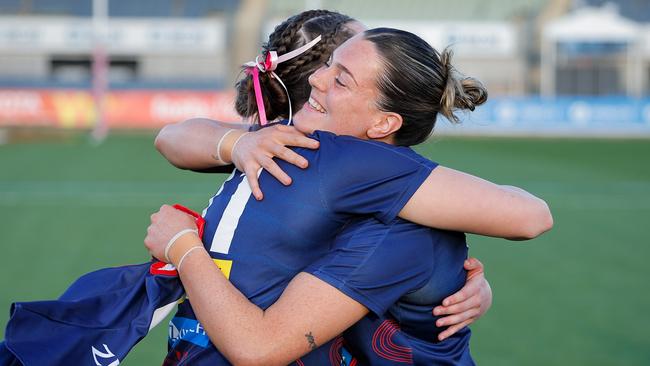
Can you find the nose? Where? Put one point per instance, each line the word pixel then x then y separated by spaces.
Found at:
pixel 316 80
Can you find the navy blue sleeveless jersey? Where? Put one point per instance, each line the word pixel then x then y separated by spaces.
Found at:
pixel 261 245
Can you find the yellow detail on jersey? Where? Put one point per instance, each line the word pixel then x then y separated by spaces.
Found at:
pixel 225 265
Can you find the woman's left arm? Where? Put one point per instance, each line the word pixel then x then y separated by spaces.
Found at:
pixel 452 200
pixel 309 313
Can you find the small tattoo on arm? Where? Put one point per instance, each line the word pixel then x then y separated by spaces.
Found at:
pixel 312 342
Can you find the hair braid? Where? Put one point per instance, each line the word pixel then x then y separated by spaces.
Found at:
pixel 285 36
pixel 319 53
pixel 291 34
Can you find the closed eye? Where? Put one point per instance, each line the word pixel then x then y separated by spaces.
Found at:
pixel 337 79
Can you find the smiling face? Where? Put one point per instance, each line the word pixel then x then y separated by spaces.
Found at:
pixel 344 93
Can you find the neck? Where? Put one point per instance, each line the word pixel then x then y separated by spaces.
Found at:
pixel 390 139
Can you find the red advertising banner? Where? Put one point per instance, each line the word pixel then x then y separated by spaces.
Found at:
pixel 123 109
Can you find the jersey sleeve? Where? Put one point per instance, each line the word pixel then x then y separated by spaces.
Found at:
pixel 376 264
pixel 361 177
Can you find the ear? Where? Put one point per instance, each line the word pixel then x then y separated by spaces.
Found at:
pixel 385 126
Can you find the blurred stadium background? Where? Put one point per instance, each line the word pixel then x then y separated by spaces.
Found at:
pixel 568 119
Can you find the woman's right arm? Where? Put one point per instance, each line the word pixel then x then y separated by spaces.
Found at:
pixel 453 200
pixel 193 144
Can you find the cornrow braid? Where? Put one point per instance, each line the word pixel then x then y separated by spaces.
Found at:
pixel 292 34
pixel 286 35
pixel 319 53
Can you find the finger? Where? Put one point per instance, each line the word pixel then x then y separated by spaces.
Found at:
pixel 290 136
pixel 297 139
pixel 148 242
pixel 284 128
pixel 470 288
pixel 287 129
pixel 475 273
pixel 478 262
pixel 290 156
pixel 272 167
pixel 457 317
pixel 472 302
pixel 453 329
pixel 472 263
pixel 251 177
pixel 474 268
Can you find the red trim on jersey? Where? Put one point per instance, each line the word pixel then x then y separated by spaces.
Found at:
pixel 158 268
pixel 200 221
pixel 384 347
pixel 335 351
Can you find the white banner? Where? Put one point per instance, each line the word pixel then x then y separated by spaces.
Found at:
pixel 72 34
pixel 468 39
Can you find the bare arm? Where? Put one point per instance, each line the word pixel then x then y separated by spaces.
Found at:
pixel 193 144
pixel 452 200
pixel 309 313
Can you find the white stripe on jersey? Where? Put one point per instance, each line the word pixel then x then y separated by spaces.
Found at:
pixel 232 175
pixel 230 219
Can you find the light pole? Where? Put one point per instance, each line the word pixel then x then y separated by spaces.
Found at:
pixel 100 66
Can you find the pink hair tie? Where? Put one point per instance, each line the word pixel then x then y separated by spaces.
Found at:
pixel 271 63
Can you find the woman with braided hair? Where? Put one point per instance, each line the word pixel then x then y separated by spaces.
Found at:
pixel 334 29
pixel 285 233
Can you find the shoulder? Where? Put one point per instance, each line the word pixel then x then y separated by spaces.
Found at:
pixel 345 147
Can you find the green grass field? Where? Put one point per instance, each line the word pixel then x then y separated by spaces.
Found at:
pixel 576 296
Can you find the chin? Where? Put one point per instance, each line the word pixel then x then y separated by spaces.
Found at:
pixel 302 126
